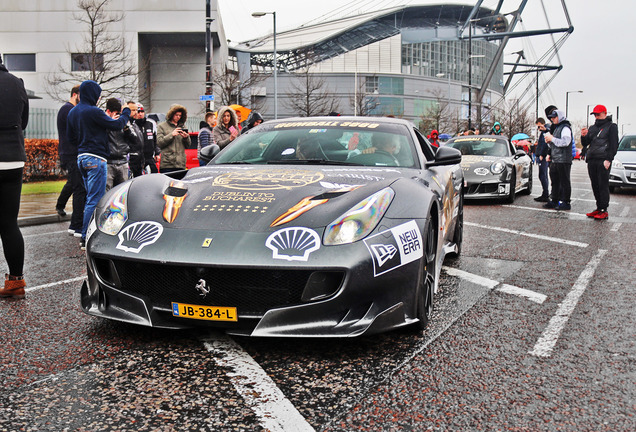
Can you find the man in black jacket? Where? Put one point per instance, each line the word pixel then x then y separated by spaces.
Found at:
pixel 68 161
pixel 560 141
pixel 149 137
pixel 541 153
pixel 600 143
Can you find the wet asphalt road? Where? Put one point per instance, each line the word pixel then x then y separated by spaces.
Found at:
pixel 561 356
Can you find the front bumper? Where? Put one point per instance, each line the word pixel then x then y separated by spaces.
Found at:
pixel 625 177
pixel 334 294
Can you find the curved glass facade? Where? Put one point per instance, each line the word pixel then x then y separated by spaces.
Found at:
pixel 451 57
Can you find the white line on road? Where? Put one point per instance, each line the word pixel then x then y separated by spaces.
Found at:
pixel 490 283
pixel 537 236
pixel 275 411
pixel 521 292
pixel 52 284
pixel 45 233
pixel 568 213
pixel 617 225
pixel 545 344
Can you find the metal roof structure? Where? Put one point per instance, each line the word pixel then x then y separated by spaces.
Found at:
pixel 314 43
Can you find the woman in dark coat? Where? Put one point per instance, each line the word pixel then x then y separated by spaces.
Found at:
pixel 14 116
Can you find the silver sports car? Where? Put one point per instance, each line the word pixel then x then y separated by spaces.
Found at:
pixel 313 227
pixel 493 168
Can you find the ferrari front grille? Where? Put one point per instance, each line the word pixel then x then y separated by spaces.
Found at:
pixel 251 291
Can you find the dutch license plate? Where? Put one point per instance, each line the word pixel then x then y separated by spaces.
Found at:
pixel 209 313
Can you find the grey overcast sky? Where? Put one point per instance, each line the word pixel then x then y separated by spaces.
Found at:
pixel 598 58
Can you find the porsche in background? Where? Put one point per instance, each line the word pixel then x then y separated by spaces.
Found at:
pixel 493 168
pixel 305 227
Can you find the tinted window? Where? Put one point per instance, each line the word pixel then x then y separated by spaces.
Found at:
pixel 480 146
pixel 19 62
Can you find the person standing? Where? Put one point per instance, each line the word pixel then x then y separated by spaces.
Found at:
pixel 225 130
pixel 560 142
pixel 496 129
pixel 135 140
pixel 68 161
pixel 88 128
pixel 149 137
pixel 600 144
pixel 173 139
pixel 541 153
pixel 434 138
pixel 118 148
pixel 64 152
pixel 205 136
pixel 253 120
pixel 14 117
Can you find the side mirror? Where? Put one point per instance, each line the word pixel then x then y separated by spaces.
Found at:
pixel 446 156
pixel 208 152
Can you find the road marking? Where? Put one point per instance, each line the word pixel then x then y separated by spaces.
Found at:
pixel 275 411
pixel 617 225
pixel 545 344
pixel 521 292
pixel 568 213
pixel 46 233
pixel 52 284
pixel 490 283
pixel 537 236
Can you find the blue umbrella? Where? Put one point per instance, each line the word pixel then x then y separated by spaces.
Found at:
pixel 519 136
pixel 445 136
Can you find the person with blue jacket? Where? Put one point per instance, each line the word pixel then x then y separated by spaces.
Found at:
pixel 87 128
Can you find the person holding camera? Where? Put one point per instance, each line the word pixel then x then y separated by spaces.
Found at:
pixel 541 153
pixel 172 139
pixel 226 129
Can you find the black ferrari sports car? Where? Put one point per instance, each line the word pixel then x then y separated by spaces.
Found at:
pixel 493 168
pixel 308 227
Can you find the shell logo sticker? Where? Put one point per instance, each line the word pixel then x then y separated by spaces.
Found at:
pixel 136 236
pixel 293 244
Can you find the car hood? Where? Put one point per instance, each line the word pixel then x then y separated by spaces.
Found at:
pixel 626 156
pixel 256 198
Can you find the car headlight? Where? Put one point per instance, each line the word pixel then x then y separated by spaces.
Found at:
pixel 360 220
pixel 498 167
pixel 115 214
pixel 617 164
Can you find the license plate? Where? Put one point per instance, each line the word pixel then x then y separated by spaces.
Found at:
pixel 209 313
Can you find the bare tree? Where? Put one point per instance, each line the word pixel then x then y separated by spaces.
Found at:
pixel 103 56
pixel 439 115
pixel 231 89
pixel 309 95
pixel 515 119
pixel 363 102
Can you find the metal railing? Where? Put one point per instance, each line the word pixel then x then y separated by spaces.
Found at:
pixel 43 123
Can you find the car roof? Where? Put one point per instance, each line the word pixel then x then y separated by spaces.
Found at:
pixel 478 138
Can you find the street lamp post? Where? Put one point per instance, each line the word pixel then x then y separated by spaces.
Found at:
pixel 566 100
pixel 439 75
pixel 257 15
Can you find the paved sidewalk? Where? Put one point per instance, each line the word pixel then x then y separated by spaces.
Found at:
pixel 36 209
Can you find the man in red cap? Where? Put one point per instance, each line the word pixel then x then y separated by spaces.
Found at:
pixel 600 143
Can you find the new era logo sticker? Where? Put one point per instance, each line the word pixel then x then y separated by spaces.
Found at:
pixel 396 247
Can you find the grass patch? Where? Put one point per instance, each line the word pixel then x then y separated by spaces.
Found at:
pixel 44 187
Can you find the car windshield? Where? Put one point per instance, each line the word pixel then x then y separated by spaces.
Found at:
pixel 323 142
pixel 480 146
pixel 627 143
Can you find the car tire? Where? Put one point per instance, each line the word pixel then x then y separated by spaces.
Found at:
pixel 513 185
pixel 528 189
pixel 458 234
pixel 427 278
